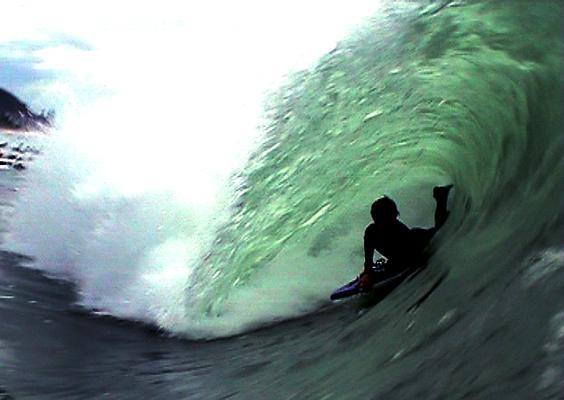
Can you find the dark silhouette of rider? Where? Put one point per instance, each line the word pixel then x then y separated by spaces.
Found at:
pixel 403 247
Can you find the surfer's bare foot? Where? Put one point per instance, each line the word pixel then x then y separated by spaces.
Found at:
pixel 440 193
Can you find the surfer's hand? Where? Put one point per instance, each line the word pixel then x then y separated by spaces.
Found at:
pixel 365 281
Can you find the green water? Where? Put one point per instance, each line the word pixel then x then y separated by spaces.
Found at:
pixel 421 94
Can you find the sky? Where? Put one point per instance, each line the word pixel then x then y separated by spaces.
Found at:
pixel 108 42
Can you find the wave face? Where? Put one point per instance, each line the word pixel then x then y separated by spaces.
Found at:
pixel 468 93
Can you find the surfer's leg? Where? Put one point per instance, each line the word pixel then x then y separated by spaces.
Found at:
pixel 440 193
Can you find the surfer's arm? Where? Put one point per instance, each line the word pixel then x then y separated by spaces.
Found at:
pixel 368 248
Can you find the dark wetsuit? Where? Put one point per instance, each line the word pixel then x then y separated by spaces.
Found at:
pixel 403 247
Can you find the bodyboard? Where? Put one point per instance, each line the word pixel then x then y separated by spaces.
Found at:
pixel 353 288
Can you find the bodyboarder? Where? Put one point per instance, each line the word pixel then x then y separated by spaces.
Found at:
pixel 401 246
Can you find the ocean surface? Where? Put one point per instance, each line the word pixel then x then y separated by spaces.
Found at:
pixel 160 249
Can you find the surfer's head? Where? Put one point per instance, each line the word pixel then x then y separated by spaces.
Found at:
pixel 384 209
